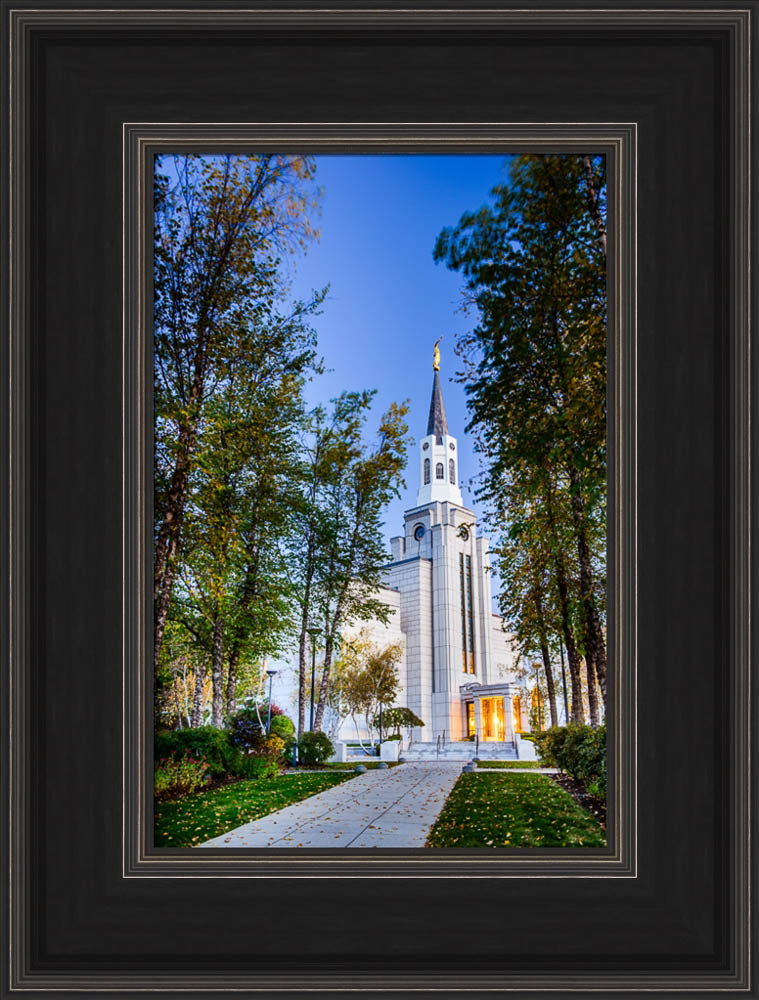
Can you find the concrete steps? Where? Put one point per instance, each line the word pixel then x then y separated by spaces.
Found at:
pixel 461 751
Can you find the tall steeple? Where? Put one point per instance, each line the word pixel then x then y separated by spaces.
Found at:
pixel 437 423
pixel 438 450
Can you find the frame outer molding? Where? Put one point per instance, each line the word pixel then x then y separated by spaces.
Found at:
pixel 20 24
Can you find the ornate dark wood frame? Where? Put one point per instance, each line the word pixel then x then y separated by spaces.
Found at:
pixel 710 954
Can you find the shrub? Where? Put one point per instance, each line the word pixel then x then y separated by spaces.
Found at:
pixel 207 742
pixel 314 748
pixel 397 719
pixel 245 729
pixel 591 762
pixel 257 767
pixel 178 776
pixel 578 750
pixel 283 727
pixel 263 759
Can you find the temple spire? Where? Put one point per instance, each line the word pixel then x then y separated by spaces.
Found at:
pixel 437 423
pixel 438 452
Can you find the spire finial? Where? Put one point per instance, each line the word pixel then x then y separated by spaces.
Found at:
pixel 436 355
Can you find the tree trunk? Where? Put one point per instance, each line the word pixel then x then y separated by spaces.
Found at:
pixel 595 639
pixel 596 646
pixel 324 683
pixel 177 701
pixel 167 543
pixel 232 684
pixel 592 695
pixel 302 667
pixel 549 683
pixel 217 673
pixel 573 657
pixel 302 650
pixel 197 695
pixel 544 652
pixel 331 630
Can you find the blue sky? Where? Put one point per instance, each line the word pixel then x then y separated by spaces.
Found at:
pixel 388 301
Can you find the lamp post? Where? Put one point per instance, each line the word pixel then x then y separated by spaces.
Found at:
pixel 313 632
pixel 564 683
pixel 270 674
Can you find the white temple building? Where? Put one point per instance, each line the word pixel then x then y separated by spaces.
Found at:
pixel 457 666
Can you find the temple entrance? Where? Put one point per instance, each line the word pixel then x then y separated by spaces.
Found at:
pixel 493 719
pixel 471 726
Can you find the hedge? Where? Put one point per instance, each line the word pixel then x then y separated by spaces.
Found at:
pixel 206 741
pixel 314 748
pixel 579 751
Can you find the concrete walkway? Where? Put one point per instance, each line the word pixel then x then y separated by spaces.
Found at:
pixel 382 808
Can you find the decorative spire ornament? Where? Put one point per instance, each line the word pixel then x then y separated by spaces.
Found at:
pixel 436 355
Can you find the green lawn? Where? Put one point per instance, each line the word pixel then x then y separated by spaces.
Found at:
pixel 193 819
pixel 514 765
pixel 512 810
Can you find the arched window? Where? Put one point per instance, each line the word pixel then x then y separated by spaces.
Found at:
pixel 452 471
pixel 426 471
pixel 439 471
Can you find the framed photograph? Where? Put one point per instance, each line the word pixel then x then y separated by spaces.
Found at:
pixel 379 499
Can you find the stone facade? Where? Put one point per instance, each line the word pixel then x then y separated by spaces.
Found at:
pixel 438 586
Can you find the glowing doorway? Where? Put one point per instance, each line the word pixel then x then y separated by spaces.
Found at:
pixel 493 720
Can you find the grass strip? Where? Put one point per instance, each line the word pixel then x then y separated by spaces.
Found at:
pixel 506 810
pixel 193 819
pixel 509 765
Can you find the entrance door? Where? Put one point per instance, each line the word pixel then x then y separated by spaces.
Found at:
pixel 493 721
pixel 470 723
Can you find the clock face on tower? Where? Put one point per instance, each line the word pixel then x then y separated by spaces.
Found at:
pixel 419 532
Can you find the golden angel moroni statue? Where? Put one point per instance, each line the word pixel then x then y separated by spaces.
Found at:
pixel 436 355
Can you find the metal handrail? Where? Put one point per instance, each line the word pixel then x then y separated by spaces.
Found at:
pixel 476 744
pixel 443 737
pixel 437 747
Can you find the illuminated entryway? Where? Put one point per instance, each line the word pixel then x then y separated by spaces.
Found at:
pixel 493 719
pixel 486 712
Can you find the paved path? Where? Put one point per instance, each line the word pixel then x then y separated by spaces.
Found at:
pixel 383 808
